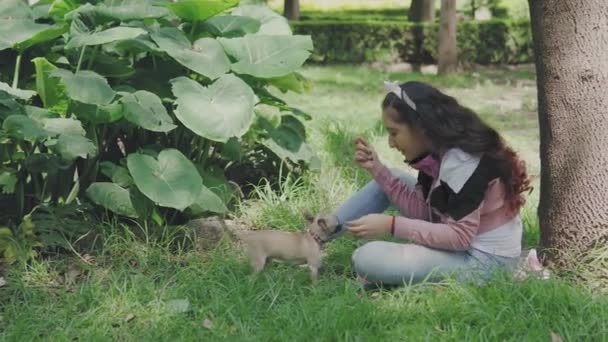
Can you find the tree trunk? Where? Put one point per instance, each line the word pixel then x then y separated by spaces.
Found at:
pixel 448 51
pixel 473 9
pixel 420 11
pixel 570 48
pixel 291 9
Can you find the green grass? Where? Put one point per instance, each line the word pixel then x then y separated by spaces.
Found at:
pixel 129 291
pixel 134 280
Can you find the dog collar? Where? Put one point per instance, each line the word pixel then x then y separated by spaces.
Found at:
pixel 316 238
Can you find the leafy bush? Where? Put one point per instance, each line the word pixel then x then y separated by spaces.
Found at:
pixel 481 42
pixel 392 14
pixel 144 106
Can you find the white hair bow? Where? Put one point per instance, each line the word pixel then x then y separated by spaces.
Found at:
pixel 393 87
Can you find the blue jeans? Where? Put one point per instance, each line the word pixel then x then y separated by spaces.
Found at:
pixel 390 263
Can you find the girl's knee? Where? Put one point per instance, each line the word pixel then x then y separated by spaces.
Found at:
pixel 365 258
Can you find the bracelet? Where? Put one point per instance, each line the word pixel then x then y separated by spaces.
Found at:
pixel 393 226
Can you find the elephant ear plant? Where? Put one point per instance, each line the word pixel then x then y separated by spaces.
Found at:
pixel 146 108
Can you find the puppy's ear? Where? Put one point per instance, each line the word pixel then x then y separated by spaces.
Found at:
pixel 309 217
pixel 323 224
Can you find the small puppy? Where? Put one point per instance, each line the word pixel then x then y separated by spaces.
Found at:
pixel 299 247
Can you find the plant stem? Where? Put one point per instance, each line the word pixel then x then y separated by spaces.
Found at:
pixel 202 157
pixel 75 189
pixel 154 62
pixel 17 67
pixel 20 197
pixel 80 58
pixel 212 150
pixel 44 183
pixel 93 55
pixel 194 23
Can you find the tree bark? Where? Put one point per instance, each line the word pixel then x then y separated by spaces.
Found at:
pixel 291 9
pixel 420 11
pixel 570 48
pixel 448 51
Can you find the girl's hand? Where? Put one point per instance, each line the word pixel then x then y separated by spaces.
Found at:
pixel 371 225
pixel 365 155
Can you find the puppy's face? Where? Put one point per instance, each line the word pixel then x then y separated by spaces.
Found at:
pixel 324 226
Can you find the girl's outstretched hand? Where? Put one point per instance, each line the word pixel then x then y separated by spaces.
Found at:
pixel 369 226
pixel 365 155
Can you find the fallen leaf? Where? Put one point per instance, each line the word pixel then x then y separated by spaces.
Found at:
pixel 232 328
pixel 2 281
pixel 178 305
pixel 375 295
pixel 129 317
pixel 555 337
pixel 439 329
pixel 208 324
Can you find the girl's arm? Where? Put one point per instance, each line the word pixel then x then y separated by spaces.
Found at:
pixel 409 201
pixel 464 189
pixel 451 235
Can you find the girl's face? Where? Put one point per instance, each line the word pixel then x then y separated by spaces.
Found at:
pixel 406 139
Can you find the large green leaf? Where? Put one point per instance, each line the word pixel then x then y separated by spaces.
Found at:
pixel 125 10
pixel 24 128
pixel 112 197
pixel 135 46
pixel 41 9
pixel 215 180
pixel 117 174
pixel 146 110
pixel 218 112
pixel 42 162
pixel 9 105
pixel 86 86
pixel 206 56
pixel 59 8
pixel 272 23
pixel 45 35
pixel 107 36
pixel 19 93
pixel 199 10
pixel 7 182
pixel 293 125
pixel 268 56
pixel 23 33
pixel 207 201
pixel 72 146
pixel 304 153
pixel 294 82
pixel 231 150
pixel 144 206
pixel 56 126
pixel 38 114
pixel 97 114
pixel 170 181
pixel 17 9
pixel 232 25
pixel 112 67
pixel 50 89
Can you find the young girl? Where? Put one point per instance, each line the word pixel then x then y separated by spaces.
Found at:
pixel 461 213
